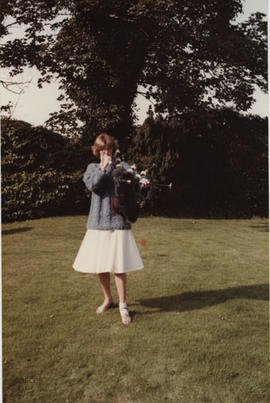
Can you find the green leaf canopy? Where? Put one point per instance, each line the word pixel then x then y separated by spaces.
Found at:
pixel 187 55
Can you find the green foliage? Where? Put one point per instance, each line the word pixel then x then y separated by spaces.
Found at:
pixel 217 161
pixel 32 184
pixel 34 194
pixel 188 55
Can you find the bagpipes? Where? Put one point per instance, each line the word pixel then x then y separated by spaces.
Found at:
pixel 128 192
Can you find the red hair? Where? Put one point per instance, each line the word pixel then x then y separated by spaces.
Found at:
pixel 104 142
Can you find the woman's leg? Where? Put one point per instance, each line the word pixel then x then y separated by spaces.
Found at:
pixel 104 279
pixel 121 285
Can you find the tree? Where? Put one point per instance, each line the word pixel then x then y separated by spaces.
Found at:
pixel 216 160
pixel 187 55
pixel 33 183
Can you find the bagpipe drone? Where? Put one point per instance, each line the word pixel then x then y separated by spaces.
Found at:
pixel 128 193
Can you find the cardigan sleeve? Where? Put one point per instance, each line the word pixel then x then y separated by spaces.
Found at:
pixel 95 180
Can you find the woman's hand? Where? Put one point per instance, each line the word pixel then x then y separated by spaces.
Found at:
pixel 105 159
pixel 144 183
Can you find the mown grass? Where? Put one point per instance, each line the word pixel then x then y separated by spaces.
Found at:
pixel 199 308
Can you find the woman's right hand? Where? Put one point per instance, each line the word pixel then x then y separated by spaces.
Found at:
pixel 105 159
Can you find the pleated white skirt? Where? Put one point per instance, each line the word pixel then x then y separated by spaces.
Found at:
pixel 108 251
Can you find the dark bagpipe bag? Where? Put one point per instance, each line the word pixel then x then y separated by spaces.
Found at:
pixel 127 192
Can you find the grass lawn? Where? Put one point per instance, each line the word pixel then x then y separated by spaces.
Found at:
pixel 200 330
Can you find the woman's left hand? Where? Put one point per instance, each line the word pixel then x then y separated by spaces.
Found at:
pixel 144 182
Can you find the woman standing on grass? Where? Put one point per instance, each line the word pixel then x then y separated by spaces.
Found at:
pixel 108 245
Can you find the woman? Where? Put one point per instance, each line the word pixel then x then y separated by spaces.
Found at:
pixel 108 245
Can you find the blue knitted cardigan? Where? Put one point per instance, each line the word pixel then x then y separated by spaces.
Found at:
pixel 101 184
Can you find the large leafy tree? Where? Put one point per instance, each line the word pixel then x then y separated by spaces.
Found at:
pixel 187 55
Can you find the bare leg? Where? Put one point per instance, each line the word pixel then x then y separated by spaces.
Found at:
pixel 104 279
pixel 121 285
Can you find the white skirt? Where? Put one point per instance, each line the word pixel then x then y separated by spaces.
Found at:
pixel 104 251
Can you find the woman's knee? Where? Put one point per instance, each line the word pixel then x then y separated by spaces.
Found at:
pixel 121 276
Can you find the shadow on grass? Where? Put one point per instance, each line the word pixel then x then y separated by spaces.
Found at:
pixel 189 301
pixel 263 227
pixel 16 230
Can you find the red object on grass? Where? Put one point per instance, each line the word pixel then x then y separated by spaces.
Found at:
pixel 143 242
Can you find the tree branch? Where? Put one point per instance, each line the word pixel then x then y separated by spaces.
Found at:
pixel 120 18
pixel 144 95
pixel 9 25
pixel 127 20
pixel 8 84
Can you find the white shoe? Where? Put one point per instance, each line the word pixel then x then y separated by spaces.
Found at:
pixel 123 309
